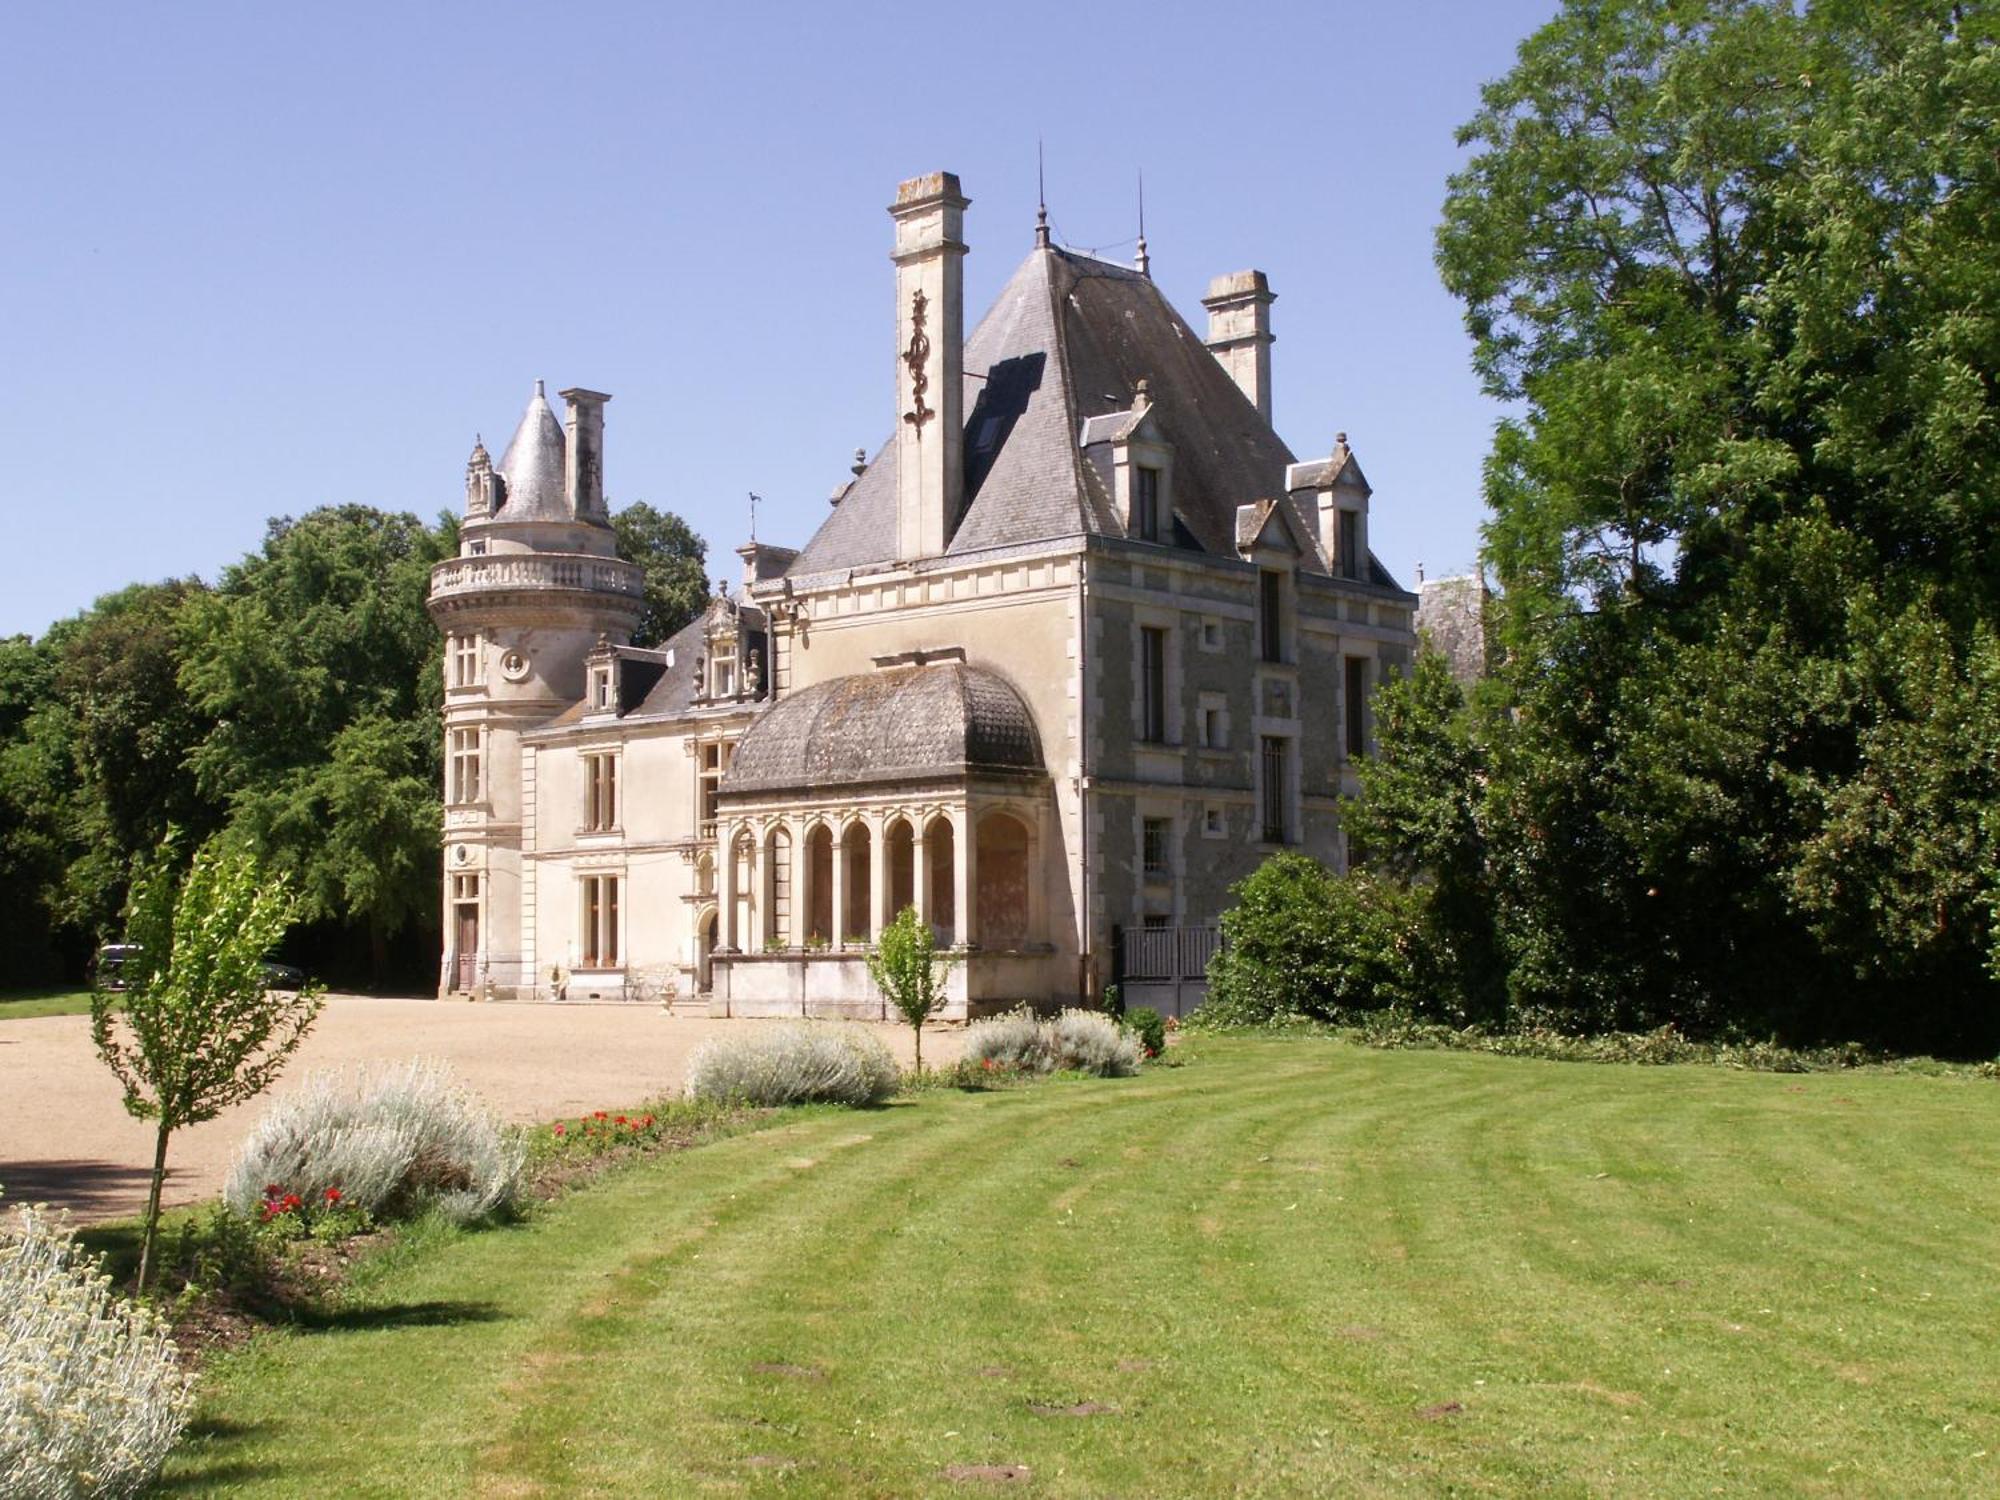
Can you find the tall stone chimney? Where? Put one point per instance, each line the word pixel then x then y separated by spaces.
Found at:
pixel 930 362
pixel 583 454
pixel 1239 332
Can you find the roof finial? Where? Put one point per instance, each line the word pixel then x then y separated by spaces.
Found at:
pixel 755 500
pixel 1041 200
pixel 538 392
pixel 1144 261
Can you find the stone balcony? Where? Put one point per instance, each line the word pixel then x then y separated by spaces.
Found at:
pixel 531 573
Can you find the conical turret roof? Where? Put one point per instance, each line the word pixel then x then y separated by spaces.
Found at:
pixel 533 466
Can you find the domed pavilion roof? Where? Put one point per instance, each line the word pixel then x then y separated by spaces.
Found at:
pixel 941 720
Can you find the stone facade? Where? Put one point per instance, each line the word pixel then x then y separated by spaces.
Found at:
pixel 1075 650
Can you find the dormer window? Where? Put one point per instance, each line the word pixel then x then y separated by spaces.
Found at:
pixel 1348 559
pixel 1146 503
pixel 601 699
pixel 722 675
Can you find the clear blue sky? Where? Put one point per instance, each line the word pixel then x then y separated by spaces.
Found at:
pixel 257 258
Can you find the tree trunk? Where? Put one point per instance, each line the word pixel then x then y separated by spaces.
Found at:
pixel 153 1204
pixel 919 1029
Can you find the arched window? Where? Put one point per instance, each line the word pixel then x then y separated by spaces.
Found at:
pixel 899 842
pixel 704 875
pixel 858 877
pixel 819 885
pixel 1002 901
pixel 940 874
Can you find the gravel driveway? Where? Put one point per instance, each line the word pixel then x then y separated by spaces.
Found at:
pixel 65 1138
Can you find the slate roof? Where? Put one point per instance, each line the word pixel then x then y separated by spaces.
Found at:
pixel 943 719
pixel 1062 348
pixel 533 467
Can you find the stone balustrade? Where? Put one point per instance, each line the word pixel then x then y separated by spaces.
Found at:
pixel 520 570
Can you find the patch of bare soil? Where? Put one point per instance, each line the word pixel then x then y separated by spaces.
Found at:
pixel 988 1473
pixel 1441 1411
pixel 1075 1409
pixel 795 1372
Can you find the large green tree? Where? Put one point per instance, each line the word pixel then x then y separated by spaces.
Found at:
pixel 320 673
pixel 1736 266
pixel 674 560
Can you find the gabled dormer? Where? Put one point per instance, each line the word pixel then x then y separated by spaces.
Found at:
pixel 616 679
pixel 1134 459
pixel 1335 492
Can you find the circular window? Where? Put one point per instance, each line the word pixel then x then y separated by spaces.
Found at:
pixel 460 854
pixel 513 666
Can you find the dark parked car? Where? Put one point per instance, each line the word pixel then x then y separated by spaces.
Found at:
pixel 107 972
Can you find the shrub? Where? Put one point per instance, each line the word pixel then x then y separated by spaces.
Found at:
pixel 1303 941
pixel 1144 1022
pixel 797 1062
pixel 1088 1041
pixel 1016 1042
pixel 92 1397
pixel 392 1142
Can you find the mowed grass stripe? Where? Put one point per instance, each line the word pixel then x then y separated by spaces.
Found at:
pixel 1271 1272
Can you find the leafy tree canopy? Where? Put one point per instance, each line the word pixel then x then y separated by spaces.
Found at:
pixel 1733 263
pixel 674 560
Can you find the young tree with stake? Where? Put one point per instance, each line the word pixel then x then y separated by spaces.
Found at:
pixel 907 969
pixel 201 1028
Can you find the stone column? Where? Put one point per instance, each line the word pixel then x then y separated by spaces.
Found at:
pixel 920 870
pixel 878 878
pixel 839 933
pixel 965 878
pixel 800 918
pixel 725 889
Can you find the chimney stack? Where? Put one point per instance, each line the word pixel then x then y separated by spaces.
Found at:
pixel 930 362
pixel 583 454
pixel 1239 332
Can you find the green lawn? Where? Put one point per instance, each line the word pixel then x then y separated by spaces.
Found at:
pixel 57 1000
pixel 1290 1268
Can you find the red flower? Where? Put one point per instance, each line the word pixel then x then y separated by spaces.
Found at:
pixel 272 1190
pixel 561 1129
pixel 333 1195
pixel 597 1114
pixel 623 1121
pixel 647 1121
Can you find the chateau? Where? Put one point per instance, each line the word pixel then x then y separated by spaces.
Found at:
pixel 1076 649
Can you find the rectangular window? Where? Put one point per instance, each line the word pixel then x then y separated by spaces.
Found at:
pixel 1152 685
pixel 1270 607
pixel 724 675
pixel 1155 835
pixel 465 765
pixel 1357 705
pixel 600 689
pixel 600 922
pixel 1213 736
pixel 1350 544
pixel 465 887
pixel 1275 769
pixel 1146 504
pixel 1212 825
pixel 714 761
pixel 600 780
pixel 465 661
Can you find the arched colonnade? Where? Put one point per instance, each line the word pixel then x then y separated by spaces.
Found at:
pixel 817 880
